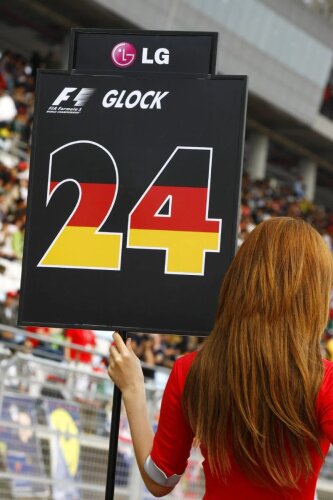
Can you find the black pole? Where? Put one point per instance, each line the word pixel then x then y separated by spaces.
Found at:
pixel 114 433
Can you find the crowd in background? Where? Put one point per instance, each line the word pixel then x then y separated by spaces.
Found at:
pixel 260 200
pixel 268 198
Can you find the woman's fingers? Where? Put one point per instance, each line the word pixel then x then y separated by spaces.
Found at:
pixel 129 344
pixel 124 366
pixel 122 347
pixel 114 354
pixel 110 368
pixel 118 341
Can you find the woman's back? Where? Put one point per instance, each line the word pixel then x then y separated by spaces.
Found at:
pixel 173 442
pixel 254 386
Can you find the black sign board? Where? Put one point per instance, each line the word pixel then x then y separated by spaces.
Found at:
pixel 128 51
pixel 133 201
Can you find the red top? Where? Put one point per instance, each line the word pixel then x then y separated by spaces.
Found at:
pixel 173 441
pixel 82 338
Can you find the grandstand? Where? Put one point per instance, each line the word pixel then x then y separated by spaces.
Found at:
pixel 50 400
pixel 289 124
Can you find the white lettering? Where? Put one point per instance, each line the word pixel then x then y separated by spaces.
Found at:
pixel 64 95
pixel 119 100
pixel 145 59
pixel 143 104
pixel 137 97
pixel 119 103
pixel 156 102
pixel 109 101
pixel 162 56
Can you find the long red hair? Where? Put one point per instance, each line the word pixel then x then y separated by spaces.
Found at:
pixel 252 388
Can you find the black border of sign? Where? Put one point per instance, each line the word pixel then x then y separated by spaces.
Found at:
pixel 238 177
pixel 76 31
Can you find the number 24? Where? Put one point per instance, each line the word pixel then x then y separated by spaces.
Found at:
pixel 169 216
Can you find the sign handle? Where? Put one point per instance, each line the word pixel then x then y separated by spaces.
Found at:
pixel 114 434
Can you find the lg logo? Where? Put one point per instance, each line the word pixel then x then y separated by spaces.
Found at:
pixel 124 55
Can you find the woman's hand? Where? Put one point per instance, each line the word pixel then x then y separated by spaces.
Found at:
pixel 124 366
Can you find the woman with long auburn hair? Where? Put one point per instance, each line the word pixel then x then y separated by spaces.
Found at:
pixel 257 397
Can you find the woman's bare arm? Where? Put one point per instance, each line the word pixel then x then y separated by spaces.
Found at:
pixel 125 371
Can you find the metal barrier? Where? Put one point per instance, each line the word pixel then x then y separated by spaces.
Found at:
pixel 54 434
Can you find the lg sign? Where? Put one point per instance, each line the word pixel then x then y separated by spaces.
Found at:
pixel 124 54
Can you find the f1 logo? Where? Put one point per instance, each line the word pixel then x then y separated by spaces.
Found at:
pixel 80 99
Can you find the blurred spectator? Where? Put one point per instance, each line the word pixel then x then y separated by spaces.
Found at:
pixel 31 342
pixel 8 109
pixel 3 205
pixel 8 316
pixel 45 349
pixel 143 347
pixel 299 188
pixel 82 361
pixel 6 237
pixel 83 338
pixel 167 348
pixel 18 237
